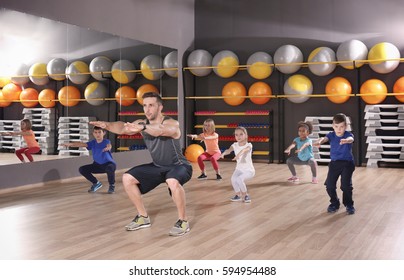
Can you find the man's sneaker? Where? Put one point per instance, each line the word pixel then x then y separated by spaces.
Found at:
pixel 350 210
pixel 95 187
pixel 203 177
pixel 332 208
pixel 293 179
pixel 218 177
pixel 111 189
pixel 247 199
pixel 181 227
pixel 314 180
pixel 138 223
pixel 235 198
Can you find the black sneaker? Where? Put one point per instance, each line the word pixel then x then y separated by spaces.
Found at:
pixel 111 189
pixel 218 177
pixel 350 210
pixel 202 177
pixel 332 208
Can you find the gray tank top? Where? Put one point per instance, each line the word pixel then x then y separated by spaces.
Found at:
pixel 164 151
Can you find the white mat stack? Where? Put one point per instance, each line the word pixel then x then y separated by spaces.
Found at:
pixel 384 133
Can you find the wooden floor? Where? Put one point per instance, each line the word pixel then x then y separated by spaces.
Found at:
pixel 284 220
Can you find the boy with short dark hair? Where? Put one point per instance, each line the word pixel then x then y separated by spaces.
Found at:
pixel 103 161
pixel 341 164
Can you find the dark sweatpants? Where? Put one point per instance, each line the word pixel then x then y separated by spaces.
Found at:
pixel 345 169
pixel 95 168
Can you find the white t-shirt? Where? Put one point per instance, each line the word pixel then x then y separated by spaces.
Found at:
pixel 245 162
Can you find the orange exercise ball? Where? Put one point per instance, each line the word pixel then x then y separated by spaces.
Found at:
pixel 193 151
pixel 3 101
pixel 29 97
pixel 259 92
pixel 47 98
pixel 11 92
pixel 338 90
pixel 68 96
pixel 399 88
pixel 374 91
pixel 125 95
pixel 143 89
pixel 234 93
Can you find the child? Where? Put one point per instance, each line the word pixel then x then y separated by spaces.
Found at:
pixel 103 161
pixel 29 138
pixel 304 152
pixel 341 164
pixel 244 168
pixel 212 153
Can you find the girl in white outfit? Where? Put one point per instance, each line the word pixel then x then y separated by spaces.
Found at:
pixel 244 168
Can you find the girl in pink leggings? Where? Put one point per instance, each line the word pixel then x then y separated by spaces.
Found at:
pixel 29 138
pixel 212 152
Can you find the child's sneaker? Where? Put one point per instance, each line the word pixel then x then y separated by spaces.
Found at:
pixel 314 180
pixel 350 210
pixel 181 227
pixel 95 187
pixel 247 199
pixel 235 198
pixel 202 177
pixel 138 223
pixel 293 179
pixel 111 189
pixel 218 177
pixel 332 208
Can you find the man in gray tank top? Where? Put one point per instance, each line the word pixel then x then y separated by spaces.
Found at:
pixel 162 137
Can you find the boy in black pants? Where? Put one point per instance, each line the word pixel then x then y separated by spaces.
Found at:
pixel 103 161
pixel 342 164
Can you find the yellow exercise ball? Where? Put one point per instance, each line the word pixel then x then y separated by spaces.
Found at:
pixel 38 74
pixel 123 71
pixel 225 64
pixel 260 65
pixel 150 65
pixel 388 56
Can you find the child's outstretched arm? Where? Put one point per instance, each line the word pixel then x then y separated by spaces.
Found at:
pixel 347 140
pixel 107 148
pixel 242 152
pixel 75 144
pixel 227 152
pixel 320 141
pixel 291 146
pixel 304 146
pixel 12 133
pixel 194 136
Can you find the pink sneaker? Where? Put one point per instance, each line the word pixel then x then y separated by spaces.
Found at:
pixel 293 179
pixel 314 180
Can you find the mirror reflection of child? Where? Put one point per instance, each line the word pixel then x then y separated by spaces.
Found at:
pixel 29 138
pixel 103 161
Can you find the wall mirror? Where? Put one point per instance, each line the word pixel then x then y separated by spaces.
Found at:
pixel 27 40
